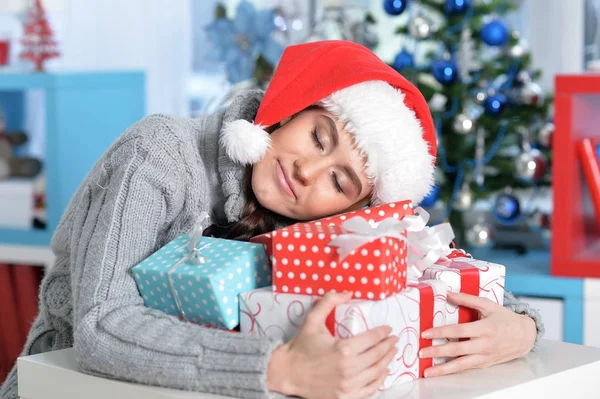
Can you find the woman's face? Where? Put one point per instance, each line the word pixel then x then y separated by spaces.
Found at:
pixel 312 169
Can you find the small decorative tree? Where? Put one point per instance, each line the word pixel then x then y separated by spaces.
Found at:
pixel 38 40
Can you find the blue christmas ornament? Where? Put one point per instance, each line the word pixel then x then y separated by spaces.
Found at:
pixel 507 208
pixel 431 198
pixel 395 7
pixel 445 71
pixel 494 33
pixel 457 6
pixel 495 104
pixel 404 59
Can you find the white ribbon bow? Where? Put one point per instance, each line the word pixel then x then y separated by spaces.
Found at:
pixel 193 255
pixel 425 245
pixel 360 232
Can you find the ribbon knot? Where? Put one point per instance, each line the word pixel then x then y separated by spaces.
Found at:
pixel 425 245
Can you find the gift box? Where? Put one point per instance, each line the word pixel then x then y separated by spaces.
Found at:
pixel 305 259
pixel 375 214
pixel 417 308
pixel 470 276
pixel 200 278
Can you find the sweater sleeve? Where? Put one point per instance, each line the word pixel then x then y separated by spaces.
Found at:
pixel 122 212
pixel 512 303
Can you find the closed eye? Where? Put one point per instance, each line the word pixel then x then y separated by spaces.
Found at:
pixel 316 140
pixel 336 183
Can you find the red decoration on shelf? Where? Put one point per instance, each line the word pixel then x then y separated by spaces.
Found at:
pixel 591 171
pixel 38 40
pixel 575 249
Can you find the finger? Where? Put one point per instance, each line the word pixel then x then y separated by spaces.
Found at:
pixel 465 330
pixel 364 341
pixel 452 349
pixel 482 305
pixel 374 355
pixel 456 365
pixel 373 386
pixel 321 310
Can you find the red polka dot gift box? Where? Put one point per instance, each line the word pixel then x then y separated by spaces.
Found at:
pixel 375 214
pixel 306 258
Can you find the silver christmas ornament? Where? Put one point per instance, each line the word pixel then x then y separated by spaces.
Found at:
pixel 531 94
pixel 480 96
pixel 517 50
pixel 421 28
pixel 537 220
pixel 530 166
pixel 523 77
pixel 464 124
pixel 480 235
pixel 544 136
pixel 464 198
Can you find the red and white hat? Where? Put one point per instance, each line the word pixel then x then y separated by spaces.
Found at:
pixel 387 115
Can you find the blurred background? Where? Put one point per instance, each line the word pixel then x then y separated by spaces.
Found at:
pixel 512 85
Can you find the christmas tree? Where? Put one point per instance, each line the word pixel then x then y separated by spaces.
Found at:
pixel 491 116
pixel 38 40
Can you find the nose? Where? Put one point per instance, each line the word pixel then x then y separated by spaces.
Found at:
pixel 306 170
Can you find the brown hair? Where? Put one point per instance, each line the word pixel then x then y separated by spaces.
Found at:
pixel 256 219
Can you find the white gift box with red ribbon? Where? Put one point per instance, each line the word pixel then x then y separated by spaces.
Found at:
pixel 420 306
pixel 471 276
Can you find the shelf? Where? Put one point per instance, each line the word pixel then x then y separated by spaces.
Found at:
pixel 26 81
pixel 25 237
pixel 27 255
pixel 78 116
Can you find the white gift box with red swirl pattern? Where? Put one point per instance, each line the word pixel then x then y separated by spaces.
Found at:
pixel 417 308
pixel 470 276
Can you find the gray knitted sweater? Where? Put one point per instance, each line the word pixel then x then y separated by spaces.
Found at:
pixel 149 187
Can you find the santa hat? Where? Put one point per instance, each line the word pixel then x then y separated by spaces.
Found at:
pixel 387 115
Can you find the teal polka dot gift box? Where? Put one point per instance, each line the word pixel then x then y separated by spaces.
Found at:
pixel 199 278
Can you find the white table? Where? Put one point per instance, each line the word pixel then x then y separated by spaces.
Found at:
pixel 557 370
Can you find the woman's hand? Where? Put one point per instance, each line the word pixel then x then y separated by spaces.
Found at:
pixel 316 365
pixel 499 336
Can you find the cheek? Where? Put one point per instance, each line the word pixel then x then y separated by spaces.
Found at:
pixel 324 201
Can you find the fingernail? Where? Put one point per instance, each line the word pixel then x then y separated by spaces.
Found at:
pixel 422 353
pixel 426 334
pixel 428 373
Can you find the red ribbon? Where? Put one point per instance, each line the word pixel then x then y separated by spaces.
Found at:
pixel 426 321
pixel 330 322
pixel 469 284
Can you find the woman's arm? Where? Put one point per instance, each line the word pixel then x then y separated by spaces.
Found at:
pixel 523 308
pixel 127 208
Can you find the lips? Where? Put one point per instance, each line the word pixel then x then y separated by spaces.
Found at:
pixel 284 182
